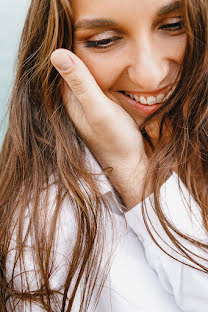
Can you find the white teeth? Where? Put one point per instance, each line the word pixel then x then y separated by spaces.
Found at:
pixel 160 98
pixel 136 98
pixel 151 100
pixel 143 100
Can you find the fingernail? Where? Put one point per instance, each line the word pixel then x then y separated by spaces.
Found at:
pixel 61 61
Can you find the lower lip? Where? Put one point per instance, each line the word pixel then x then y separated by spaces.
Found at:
pixel 147 109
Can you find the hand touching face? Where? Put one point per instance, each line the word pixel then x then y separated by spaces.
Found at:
pixel 109 131
pixel 133 54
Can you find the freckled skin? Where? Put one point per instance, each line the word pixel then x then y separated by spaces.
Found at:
pixel 145 58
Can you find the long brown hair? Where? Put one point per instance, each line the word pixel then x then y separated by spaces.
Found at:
pixel 42 141
pixel 186 151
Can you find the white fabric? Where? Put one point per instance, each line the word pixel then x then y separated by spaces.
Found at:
pixel 142 277
pixel 189 286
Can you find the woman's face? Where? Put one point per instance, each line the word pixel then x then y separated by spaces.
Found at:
pixel 134 49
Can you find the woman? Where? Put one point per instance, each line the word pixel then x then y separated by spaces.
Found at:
pixel 64 242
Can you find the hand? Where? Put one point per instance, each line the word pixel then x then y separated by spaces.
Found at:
pixel 108 130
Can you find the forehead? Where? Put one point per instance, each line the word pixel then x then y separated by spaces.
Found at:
pixel 115 8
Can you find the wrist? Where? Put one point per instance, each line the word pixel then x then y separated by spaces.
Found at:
pixel 128 179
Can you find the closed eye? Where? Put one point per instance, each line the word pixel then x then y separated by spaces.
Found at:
pixel 102 44
pixel 173 26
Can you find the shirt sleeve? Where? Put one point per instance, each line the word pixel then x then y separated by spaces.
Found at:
pixel 188 285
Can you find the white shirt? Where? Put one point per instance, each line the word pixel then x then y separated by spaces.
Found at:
pixel 142 277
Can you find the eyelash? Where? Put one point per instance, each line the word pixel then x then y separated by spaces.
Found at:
pixel 173 26
pixel 106 43
pixel 102 44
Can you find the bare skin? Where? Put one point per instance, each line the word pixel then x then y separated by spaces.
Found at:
pixel 140 53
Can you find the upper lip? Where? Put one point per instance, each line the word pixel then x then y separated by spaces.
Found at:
pixel 147 93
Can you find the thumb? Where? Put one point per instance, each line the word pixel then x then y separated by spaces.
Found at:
pixel 78 78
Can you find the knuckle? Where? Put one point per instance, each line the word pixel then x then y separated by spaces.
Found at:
pixel 78 86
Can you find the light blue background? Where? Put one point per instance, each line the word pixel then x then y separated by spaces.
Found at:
pixel 12 15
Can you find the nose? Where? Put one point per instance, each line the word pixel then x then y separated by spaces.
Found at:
pixel 148 68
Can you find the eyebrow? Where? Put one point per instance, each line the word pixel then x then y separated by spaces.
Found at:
pixel 95 23
pixel 104 23
pixel 169 8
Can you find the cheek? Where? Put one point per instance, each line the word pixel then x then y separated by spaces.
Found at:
pixel 174 48
pixel 104 68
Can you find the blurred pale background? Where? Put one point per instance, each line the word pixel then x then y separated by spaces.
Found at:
pixel 12 15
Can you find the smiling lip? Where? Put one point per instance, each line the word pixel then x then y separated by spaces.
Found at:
pixel 150 93
pixel 146 109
